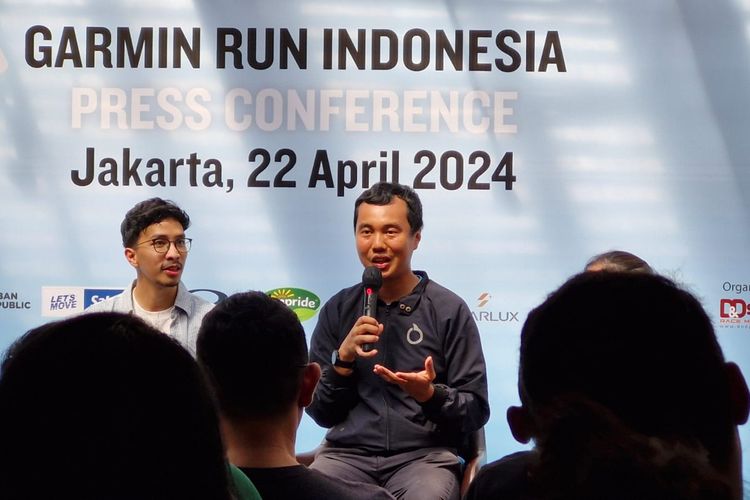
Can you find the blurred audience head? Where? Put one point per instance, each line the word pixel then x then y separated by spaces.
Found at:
pixel 622 382
pixel 104 406
pixel 254 352
pixel 618 260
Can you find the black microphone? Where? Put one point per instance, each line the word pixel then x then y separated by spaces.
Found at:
pixel 372 280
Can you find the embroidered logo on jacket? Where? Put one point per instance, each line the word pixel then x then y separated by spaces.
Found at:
pixel 414 335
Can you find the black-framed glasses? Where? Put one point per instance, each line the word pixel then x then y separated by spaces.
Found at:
pixel 161 245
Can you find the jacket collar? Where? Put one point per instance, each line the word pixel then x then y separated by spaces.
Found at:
pixel 182 301
pixel 407 304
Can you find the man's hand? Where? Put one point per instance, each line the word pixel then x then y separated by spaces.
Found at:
pixel 417 384
pixel 366 330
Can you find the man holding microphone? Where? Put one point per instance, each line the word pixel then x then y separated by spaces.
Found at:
pixel 403 387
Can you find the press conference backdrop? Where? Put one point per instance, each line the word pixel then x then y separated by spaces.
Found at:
pixel 537 133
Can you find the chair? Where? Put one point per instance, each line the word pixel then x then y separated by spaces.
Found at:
pixel 474 457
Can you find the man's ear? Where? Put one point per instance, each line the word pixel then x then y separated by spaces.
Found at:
pixel 417 239
pixel 131 257
pixel 739 396
pixel 310 379
pixel 520 424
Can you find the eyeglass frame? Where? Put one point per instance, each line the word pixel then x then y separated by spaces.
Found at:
pixel 153 241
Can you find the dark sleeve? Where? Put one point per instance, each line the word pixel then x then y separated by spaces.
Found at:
pixel 460 400
pixel 335 394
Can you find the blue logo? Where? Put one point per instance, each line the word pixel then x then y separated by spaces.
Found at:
pixel 94 295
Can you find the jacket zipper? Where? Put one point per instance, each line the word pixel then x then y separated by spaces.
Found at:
pixel 384 386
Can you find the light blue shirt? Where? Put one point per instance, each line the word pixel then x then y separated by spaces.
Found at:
pixel 187 314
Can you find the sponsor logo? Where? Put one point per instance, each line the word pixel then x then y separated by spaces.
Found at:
pixel 59 301
pixel 12 300
pixel 734 313
pixel 94 295
pixel 303 302
pixel 213 296
pixel 485 314
pixel 733 308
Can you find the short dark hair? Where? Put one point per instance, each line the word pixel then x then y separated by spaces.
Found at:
pixel 120 400
pixel 383 193
pixel 253 350
pixel 619 260
pixel 636 344
pixel 149 212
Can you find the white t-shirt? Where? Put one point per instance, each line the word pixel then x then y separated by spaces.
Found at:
pixel 161 320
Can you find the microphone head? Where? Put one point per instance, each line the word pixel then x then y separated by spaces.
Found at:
pixel 372 278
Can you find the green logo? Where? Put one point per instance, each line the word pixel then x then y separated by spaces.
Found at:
pixel 303 303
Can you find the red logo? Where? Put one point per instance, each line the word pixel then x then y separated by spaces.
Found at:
pixel 733 308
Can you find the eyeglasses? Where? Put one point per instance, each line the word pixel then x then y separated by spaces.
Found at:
pixel 162 245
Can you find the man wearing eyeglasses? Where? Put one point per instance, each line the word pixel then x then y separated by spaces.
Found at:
pixel 153 234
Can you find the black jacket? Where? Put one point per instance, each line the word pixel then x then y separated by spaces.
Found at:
pixel 363 411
